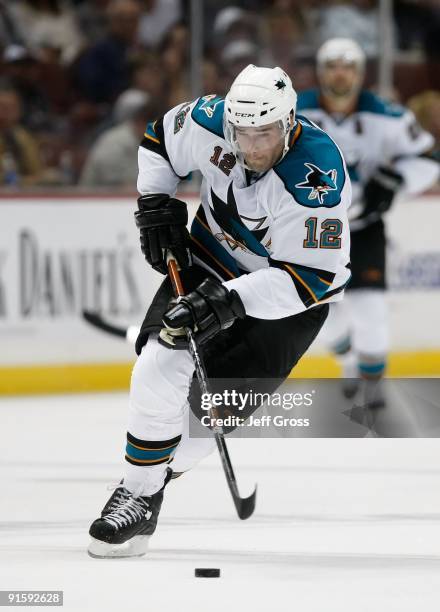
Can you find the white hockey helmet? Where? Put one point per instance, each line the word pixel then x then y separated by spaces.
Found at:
pixel 259 96
pixel 344 49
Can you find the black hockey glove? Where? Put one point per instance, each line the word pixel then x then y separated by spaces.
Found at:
pixel 380 191
pixel 162 221
pixel 207 310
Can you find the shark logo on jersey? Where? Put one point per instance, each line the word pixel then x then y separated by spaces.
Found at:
pixel 319 182
pixel 235 232
pixel 209 104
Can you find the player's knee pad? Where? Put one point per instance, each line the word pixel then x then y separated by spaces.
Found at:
pixel 160 381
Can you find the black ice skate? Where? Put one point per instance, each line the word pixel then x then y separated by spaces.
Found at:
pixel 126 524
pixel 350 387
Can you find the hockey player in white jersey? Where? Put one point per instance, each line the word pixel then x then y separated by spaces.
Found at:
pixel 385 151
pixel 268 250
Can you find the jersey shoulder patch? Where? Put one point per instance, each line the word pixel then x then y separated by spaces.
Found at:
pixel 313 170
pixel 370 103
pixel 308 99
pixel 208 113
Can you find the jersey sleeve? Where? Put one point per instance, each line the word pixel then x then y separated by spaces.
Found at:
pixel 167 153
pixel 408 143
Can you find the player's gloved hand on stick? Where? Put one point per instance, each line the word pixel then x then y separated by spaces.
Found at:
pixel 162 222
pixel 207 310
pixel 380 190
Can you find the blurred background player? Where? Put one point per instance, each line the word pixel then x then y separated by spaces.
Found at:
pixel 387 152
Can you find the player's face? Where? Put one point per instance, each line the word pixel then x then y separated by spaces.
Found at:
pixel 261 146
pixel 340 79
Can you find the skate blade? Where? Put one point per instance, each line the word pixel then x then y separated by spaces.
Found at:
pixel 135 547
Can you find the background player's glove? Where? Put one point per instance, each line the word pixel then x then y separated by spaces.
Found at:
pixel 162 221
pixel 380 191
pixel 207 310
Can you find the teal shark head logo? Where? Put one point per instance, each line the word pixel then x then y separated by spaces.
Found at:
pixel 209 104
pixel 319 182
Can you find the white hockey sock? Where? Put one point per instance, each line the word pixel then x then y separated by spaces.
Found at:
pixel 143 481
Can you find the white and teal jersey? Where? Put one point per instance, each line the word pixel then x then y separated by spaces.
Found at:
pixel 377 133
pixel 281 239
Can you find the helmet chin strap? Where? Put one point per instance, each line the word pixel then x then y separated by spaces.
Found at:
pixel 289 127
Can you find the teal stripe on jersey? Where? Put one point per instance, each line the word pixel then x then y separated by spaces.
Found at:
pixel 149 130
pixel 312 284
pixel 312 280
pixel 212 245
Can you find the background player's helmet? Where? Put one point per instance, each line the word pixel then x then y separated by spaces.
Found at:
pixel 343 49
pixel 258 97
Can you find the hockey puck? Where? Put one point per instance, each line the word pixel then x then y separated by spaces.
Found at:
pixel 207 572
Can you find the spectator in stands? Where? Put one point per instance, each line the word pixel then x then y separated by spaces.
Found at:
pixel 235 56
pixel 286 38
pixel 92 20
pixel 418 28
pixel 112 160
pixel 418 25
pixel 23 71
pixel 214 8
pixel 174 53
pixel 9 30
pixel 147 75
pixel 158 17
pixel 48 25
pixel 20 163
pixel 211 78
pixel 358 17
pixel 102 72
pixel 234 23
pixel 426 107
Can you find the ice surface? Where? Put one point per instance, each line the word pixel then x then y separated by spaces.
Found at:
pixel 347 525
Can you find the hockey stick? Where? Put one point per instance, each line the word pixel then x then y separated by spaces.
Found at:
pixel 245 506
pixel 130 333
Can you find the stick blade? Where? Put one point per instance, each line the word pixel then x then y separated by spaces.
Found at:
pixel 245 506
pixel 91 317
pixel 95 319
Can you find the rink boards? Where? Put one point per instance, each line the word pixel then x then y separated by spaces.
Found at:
pixel 60 255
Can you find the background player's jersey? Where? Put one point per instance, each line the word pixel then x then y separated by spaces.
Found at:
pixel 281 239
pixel 375 134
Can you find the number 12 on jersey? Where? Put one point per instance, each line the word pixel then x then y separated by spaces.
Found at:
pixel 329 237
